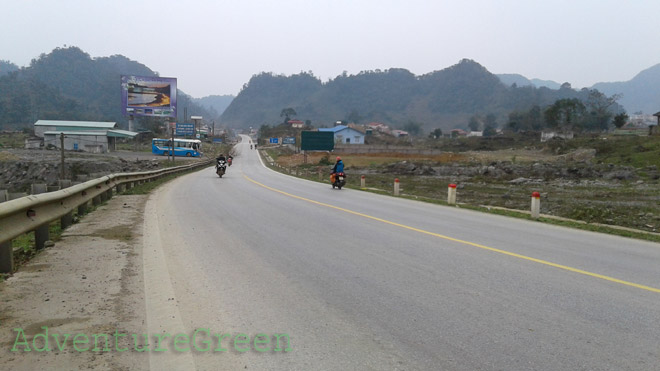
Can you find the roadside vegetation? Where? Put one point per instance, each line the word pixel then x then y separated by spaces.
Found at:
pixel 602 183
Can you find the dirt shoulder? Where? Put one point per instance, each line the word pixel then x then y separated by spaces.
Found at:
pixel 91 282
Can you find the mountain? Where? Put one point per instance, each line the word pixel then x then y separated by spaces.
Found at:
pixel 546 83
pixel 441 99
pixel 509 79
pixel 219 103
pixel 640 94
pixel 67 84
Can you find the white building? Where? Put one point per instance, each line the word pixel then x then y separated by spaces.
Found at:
pixel 88 136
pixel 345 135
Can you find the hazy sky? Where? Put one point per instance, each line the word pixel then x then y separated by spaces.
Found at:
pixel 215 46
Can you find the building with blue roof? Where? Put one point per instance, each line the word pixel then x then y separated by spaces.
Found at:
pixel 345 135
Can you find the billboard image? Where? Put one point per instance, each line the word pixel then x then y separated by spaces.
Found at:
pixel 148 96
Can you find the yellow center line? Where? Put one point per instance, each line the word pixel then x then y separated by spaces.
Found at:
pixel 509 253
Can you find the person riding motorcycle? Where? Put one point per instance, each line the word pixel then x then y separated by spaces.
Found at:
pixel 230 158
pixel 338 168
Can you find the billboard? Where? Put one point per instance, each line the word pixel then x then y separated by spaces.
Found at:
pixel 317 140
pixel 289 140
pixel 148 96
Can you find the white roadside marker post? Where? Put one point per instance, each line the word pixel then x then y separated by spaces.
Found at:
pixel 451 194
pixel 396 186
pixel 363 182
pixel 536 205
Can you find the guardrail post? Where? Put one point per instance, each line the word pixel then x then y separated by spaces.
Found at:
pixel 536 205
pixel 41 234
pixel 396 186
pixel 120 188
pixel 97 200
pixel 4 195
pixel 363 182
pixel 451 194
pixel 82 209
pixel 64 183
pixel 6 257
pixel 66 220
pixel 109 193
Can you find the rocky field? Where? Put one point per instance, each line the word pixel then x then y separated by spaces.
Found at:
pixel 610 185
pixel 20 168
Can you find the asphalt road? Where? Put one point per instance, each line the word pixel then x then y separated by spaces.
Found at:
pixel 360 281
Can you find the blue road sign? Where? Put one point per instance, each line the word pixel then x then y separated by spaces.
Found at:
pixel 185 129
pixel 273 140
pixel 289 140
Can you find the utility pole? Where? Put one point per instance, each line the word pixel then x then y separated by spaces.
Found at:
pixel 62 173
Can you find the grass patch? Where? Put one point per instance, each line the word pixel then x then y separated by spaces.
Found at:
pixel 12 140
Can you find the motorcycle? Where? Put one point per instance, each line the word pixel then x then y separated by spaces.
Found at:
pixel 220 168
pixel 338 180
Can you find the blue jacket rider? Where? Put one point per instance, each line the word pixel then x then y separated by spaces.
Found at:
pixel 339 166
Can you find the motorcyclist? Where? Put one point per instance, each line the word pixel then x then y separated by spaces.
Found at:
pixel 338 168
pixel 230 158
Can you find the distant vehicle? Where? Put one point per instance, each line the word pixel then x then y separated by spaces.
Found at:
pixel 182 147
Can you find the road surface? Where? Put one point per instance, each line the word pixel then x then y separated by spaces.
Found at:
pixel 358 281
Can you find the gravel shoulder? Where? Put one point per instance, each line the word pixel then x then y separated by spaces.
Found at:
pixel 90 282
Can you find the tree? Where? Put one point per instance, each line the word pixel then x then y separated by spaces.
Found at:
pixel 565 114
pixel 489 131
pixel 413 128
pixel 491 121
pixel 599 107
pixel 620 120
pixel 287 113
pixel 435 134
pixel 474 123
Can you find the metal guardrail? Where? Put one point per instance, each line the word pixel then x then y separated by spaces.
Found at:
pixel 35 212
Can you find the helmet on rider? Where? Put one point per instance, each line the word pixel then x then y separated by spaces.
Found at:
pixel 338 158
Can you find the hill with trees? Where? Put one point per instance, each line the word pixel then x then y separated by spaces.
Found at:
pixel 640 94
pixel 6 67
pixel 67 84
pixel 443 99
